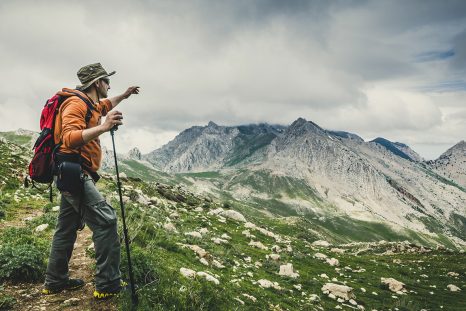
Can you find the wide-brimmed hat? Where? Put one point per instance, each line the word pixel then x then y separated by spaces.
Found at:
pixel 91 73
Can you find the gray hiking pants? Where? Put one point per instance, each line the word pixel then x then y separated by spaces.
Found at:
pixel 101 218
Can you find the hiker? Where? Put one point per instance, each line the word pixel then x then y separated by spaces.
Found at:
pixel 77 129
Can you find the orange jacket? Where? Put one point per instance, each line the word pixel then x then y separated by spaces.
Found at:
pixel 70 123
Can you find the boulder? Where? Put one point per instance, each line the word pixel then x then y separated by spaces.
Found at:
pixel 208 277
pixel 333 262
pixel 268 284
pixel 41 228
pixel 169 227
pixel 341 291
pixel 320 256
pixel 393 285
pixel 233 215
pixel 453 288
pixel 257 244
pixel 321 243
pixel 188 273
pixel 287 270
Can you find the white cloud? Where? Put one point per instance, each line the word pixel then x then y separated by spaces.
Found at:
pixel 346 66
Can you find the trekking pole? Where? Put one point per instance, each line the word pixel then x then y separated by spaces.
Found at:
pixel 134 296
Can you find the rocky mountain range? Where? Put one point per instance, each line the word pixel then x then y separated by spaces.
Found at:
pixel 306 169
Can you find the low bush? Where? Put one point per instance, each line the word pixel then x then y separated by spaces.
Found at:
pixel 21 262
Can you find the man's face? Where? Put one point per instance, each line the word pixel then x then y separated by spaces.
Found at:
pixel 103 86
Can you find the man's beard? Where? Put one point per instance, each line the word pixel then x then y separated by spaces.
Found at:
pixel 102 93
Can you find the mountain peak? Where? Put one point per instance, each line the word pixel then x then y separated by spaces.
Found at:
pixel 212 124
pixel 135 154
pixel 301 126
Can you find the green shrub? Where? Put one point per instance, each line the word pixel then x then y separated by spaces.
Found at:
pixel 21 262
pixel 143 265
pixel 6 302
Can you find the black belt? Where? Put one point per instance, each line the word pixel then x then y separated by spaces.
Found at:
pixel 76 158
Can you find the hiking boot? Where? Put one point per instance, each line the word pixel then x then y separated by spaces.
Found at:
pixel 102 295
pixel 71 284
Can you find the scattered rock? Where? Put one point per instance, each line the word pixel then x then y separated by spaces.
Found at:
pixel 268 284
pixel 234 215
pixel 257 244
pixel 333 262
pixel 71 301
pixel 453 274
pixel 219 241
pixel 41 228
pixel 320 256
pixel 208 277
pixel 453 288
pixel 169 227
pixel 321 243
pixel 393 285
pixel 287 270
pixel 274 257
pixel 337 290
pixel 254 299
pixel 188 273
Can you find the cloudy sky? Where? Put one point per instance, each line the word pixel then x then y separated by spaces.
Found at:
pixel 394 69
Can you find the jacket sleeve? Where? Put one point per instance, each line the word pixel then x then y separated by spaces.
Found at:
pixel 73 123
pixel 105 106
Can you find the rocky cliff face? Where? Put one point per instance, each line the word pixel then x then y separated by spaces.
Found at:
pixel 452 163
pixel 376 181
pixel 211 147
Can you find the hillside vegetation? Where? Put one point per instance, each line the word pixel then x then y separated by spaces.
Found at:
pixel 206 252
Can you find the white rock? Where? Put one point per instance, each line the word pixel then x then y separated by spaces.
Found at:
pixel 393 285
pixel 234 215
pixel 320 256
pixel 72 301
pixel 341 291
pixel 297 286
pixel 204 231
pixel 250 225
pixel 453 288
pixel 353 302
pixel 247 234
pixel 321 243
pixel 219 241
pixel 55 208
pixel 198 250
pixel 239 300
pixel 324 276
pixel 254 299
pixel 275 257
pixel 267 284
pixel 287 270
pixel 453 274
pixel 257 244
pixel 208 277
pixel 188 273
pixel 198 209
pixel 333 262
pixel 215 211
pixel 204 261
pixel 363 289
pixel 41 228
pixel 226 236
pixel 169 227
pixel 217 264
pixel 194 234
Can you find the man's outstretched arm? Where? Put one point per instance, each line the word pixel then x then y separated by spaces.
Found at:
pixel 117 99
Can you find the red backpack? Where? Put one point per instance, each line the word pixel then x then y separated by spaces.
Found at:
pixel 42 166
